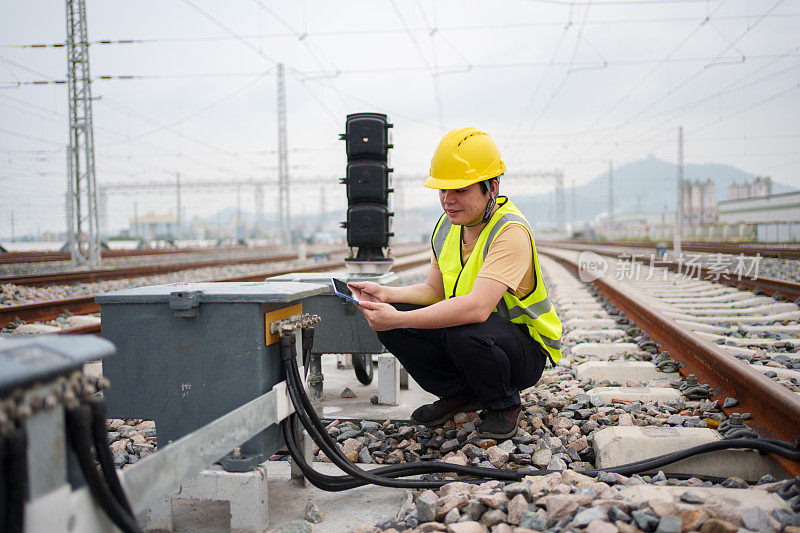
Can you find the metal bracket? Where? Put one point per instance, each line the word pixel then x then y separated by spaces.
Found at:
pixel 186 304
pixel 293 323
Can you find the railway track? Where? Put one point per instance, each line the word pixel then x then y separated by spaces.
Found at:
pixel 80 276
pixel 777 250
pixel 613 399
pixel 49 310
pixel 43 257
pixel 777 288
pixel 741 344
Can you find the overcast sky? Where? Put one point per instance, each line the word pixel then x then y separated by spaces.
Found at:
pixel 560 85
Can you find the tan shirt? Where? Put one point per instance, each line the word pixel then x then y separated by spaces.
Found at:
pixel 509 261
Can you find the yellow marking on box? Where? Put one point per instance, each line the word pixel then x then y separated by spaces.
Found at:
pixel 274 316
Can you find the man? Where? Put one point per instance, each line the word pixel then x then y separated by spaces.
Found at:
pixel 481 327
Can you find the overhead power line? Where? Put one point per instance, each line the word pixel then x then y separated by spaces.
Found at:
pixel 383 31
pixel 464 68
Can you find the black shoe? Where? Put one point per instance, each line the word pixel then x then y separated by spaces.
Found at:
pixel 500 423
pixel 437 413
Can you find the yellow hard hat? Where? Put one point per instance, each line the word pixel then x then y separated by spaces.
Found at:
pixel 463 157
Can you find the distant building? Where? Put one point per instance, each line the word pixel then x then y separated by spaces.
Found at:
pixel 760 188
pixel 152 226
pixel 699 201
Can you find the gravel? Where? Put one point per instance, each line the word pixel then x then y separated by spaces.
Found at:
pixel 556 433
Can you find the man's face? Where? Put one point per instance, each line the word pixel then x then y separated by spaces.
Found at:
pixel 464 206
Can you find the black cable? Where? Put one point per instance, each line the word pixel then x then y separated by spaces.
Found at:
pixel 345 482
pixel 359 477
pixel 16 468
pixel 100 437
pixel 287 345
pixel 79 421
pixel 669 458
pixel 312 423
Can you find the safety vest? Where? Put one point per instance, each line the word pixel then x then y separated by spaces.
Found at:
pixel 534 310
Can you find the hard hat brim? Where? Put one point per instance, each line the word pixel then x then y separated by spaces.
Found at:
pixel 435 183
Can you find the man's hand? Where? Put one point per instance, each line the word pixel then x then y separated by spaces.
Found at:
pixel 381 316
pixel 369 291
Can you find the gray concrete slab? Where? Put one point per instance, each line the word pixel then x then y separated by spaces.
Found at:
pixel 604 350
pixel 287 502
pixel 642 394
pixel 622 371
pixel 333 405
pixel 783 373
pixel 594 333
pixel 739 498
pixel 626 444
pixel 363 504
pixel 589 323
pixel 569 315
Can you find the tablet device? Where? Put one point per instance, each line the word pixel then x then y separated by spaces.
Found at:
pixel 341 290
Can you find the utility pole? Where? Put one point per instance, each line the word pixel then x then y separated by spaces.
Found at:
pixel 283 163
pixel 179 222
pixel 136 220
pixel 12 226
pixel 321 207
pixel 574 212
pixel 561 207
pixel 237 232
pixel 83 238
pixel 611 191
pixel 259 198
pixel 676 244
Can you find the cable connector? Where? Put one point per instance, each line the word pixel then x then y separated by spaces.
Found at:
pixel 292 324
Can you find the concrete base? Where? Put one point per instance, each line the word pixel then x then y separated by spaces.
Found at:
pixel 598 313
pixel 604 349
pixel 709 328
pixel 590 323
pixel 388 379
pixel 332 405
pixel 626 444
pixel 287 502
pixel 641 394
pixel 622 371
pixel 34 329
pixel 244 492
pixel 594 334
pixel 783 373
pixel 582 307
pixel 567 300
pixel 739 498
pixel 83 320
pixel 772 329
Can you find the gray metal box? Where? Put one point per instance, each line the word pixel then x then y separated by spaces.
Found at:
pixel 188 353
pixel 343 328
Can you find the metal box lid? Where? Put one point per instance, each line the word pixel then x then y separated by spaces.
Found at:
pixel 217 292
pixel 27 360
pixel 389 278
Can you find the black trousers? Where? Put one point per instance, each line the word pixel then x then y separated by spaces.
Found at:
pixel 490 361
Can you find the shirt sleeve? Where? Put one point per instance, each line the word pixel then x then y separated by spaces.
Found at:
pixel 510 257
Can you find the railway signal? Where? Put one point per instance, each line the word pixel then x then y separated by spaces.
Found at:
pixel 368 185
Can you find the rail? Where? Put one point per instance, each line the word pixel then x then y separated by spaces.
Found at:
pixel 775 409
pixel 770 286
pixel 51 309
pixel 777 250
pixel 43 257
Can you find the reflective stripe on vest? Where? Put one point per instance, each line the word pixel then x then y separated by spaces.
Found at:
pixel 534 310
